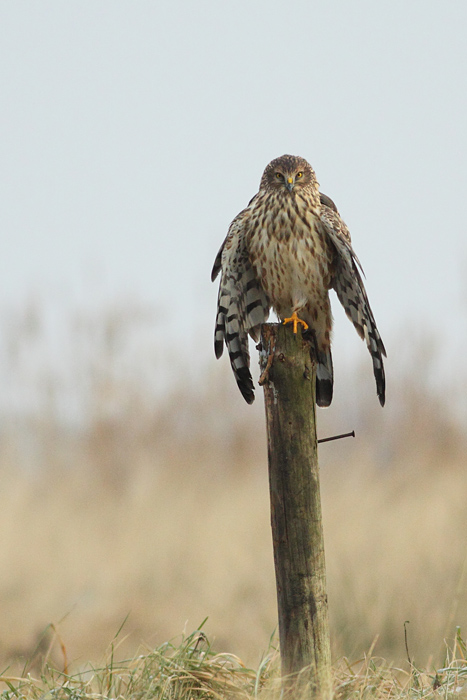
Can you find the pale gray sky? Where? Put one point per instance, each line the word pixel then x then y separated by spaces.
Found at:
pixel 132 132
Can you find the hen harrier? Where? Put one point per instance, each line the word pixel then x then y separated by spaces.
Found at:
pixel 285 251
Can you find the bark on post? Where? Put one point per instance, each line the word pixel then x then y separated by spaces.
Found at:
pixel 289 393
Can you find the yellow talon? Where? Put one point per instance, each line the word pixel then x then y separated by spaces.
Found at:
pixel 295 320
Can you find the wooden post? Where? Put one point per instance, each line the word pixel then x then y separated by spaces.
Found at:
pixel 289 392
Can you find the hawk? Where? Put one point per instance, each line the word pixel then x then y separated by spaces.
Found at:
pixel 285 251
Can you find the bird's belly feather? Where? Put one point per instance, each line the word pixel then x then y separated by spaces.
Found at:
pixel 294 268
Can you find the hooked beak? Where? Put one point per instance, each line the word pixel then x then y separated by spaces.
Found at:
pixel 290 183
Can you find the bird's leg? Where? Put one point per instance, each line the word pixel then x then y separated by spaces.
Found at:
pixel 295 320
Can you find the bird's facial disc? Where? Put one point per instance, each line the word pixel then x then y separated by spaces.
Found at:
pixel 288 179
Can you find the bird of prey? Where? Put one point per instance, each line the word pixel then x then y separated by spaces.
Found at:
pixel 285 251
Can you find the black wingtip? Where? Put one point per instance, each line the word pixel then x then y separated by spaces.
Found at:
pixel 380 384
pixel 245 384
pixel 249 396
pixel 218 348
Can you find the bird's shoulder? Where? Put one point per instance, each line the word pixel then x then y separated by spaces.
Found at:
pixel 233 242
pixel 329 214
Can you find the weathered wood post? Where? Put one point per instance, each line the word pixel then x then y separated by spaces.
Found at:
pixel 288 378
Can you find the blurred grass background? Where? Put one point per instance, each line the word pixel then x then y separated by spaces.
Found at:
pixel 134 482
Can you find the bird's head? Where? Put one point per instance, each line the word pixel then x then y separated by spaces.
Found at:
pixel 289 173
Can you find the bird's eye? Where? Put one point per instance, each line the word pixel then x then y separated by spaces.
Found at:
pixel 279 176
pixel 299 175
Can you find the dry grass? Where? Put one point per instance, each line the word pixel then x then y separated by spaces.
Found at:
pixel 187 669
pixel 120 502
